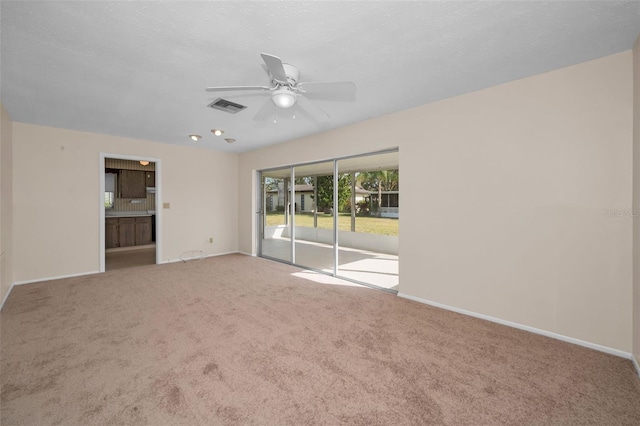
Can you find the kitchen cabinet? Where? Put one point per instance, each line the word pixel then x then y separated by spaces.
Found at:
pixel 128 231
pixel 143 230
pixel 111 232
pixel 150 178
pixel 132 184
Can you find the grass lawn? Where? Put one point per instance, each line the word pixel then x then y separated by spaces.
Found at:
pixel 369 225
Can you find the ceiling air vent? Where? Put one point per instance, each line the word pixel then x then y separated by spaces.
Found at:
pixel 227 106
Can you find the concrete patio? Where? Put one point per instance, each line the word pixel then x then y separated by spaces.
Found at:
pixel 364 266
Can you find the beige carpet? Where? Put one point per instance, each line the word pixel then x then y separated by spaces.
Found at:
pixel 239 340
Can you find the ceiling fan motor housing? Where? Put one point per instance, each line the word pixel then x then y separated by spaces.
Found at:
pixel 293 74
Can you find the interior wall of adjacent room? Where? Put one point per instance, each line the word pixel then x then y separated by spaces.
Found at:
pixel 636 201
pixel 6 203
pixel 56 199
pixel 512 187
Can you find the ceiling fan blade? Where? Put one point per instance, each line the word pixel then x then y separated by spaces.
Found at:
pixel 267 111
pixel 318 113
pixel 239 95
pixel 301 112
pixel 275 67
pixel 346 87
pixel 331 96
pixel 235 88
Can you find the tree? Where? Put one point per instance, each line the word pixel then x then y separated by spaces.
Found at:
pixel 325 191
pixel 307 180
pixel 271 184
pixel 379 180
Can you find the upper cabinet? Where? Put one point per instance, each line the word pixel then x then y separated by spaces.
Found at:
pixel 133 183
pixel 150 178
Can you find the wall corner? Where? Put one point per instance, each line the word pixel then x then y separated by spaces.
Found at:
pixel 636 207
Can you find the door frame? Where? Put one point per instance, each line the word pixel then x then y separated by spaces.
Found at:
pixel 158 198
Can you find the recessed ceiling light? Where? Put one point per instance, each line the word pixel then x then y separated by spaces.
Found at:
pixel 230 140
pixel 195 138
pixel 217 132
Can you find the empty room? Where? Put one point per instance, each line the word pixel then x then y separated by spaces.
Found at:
pixel 319 213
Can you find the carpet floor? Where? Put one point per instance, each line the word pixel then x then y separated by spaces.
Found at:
pixel 237 340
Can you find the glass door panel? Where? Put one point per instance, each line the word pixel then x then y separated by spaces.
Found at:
pixel 369 219
pixel 313 209
pixel 275 220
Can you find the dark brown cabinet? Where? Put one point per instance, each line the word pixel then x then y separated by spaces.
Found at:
pixel 132 184
pixel 111 232
pixel 150 178
pixel 128 231
pixel 143 230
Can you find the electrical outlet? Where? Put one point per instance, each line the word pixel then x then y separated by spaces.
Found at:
pixel 210 240
pixel 166 205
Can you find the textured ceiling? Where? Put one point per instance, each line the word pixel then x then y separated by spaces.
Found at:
pixel 139 69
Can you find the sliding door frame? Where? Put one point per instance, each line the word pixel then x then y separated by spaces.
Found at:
pixel 261 214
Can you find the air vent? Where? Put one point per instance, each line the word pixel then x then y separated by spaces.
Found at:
pixel 227 106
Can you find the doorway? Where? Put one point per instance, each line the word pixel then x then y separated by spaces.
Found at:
pixel 129 215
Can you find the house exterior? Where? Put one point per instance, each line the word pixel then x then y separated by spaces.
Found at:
pixel 304 198
pixel 389 204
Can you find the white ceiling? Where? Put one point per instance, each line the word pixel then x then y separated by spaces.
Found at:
pixel 139 69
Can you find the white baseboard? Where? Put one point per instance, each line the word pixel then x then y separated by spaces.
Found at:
pixel 568 339
pixel 635 364
pixel 98 272
pixel 184 259
pixel 59 277
pixel 222 254
pixel 6 296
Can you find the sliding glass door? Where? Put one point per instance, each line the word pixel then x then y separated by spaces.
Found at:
pixel 339 217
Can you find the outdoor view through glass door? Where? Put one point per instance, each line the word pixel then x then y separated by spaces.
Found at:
pixel 314 216
pixel 369 213
pixel 339 217
pixel 276 219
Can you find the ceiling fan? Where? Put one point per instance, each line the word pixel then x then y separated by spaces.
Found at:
pixel 288 92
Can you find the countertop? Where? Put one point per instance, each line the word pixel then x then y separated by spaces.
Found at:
pixel 109 213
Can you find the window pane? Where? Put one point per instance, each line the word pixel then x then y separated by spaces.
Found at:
pixel 108 199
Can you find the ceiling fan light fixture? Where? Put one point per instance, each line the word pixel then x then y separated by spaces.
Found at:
pixel 217 132
pixel 284 97
pixel 195 138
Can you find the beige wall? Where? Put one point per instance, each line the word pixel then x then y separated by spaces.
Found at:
pixel 56 168
pixel 6 203
pixel 636 200
pixel 516 180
